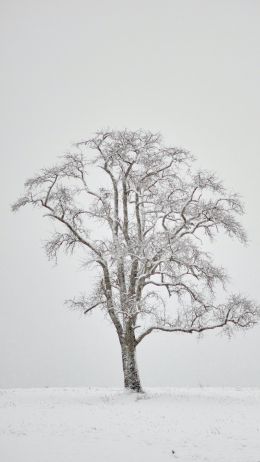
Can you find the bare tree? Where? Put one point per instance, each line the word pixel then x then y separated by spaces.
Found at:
pixel 156 213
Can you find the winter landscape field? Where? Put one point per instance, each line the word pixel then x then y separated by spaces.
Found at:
pixel 110 425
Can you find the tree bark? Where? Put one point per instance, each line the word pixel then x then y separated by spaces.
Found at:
pixel 131 375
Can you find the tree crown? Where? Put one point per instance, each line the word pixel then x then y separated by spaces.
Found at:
pixel 155 211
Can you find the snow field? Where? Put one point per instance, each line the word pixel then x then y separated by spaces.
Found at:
pixel 110 425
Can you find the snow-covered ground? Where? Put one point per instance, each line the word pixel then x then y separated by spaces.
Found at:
pixel 109 425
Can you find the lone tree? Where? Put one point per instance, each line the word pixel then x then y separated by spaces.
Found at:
pixel 154 213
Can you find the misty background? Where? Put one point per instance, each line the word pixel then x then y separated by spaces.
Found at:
pixel 189 69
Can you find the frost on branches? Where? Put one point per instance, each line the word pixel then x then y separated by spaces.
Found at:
pixel 155 212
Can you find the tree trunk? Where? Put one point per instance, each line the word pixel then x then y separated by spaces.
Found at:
pixel 131 375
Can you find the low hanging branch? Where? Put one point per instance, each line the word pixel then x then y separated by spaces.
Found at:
pixel 154 214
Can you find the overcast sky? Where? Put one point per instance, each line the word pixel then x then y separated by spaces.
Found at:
pixel 187 68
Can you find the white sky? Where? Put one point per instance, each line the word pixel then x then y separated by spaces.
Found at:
pixel 187 68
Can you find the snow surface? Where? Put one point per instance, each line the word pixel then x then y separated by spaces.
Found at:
pixel 110 425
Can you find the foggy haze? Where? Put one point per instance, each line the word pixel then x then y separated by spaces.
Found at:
pixel 189 69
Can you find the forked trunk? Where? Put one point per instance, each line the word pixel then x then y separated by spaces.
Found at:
pixel 131 375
